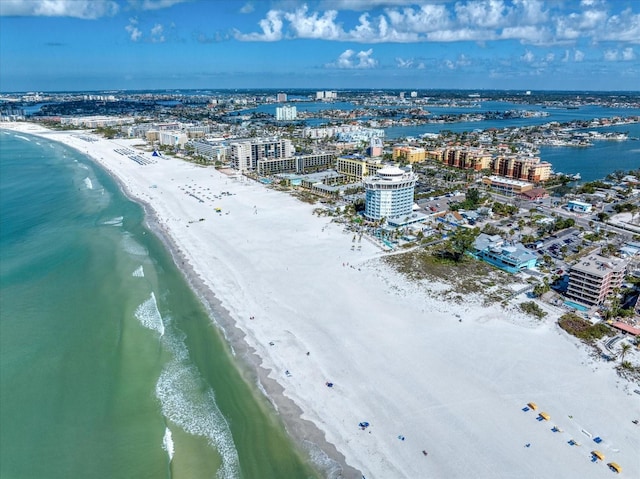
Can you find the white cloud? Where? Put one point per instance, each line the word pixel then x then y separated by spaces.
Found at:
pixel 578 56
pixel 84 9
pixel 624 27
pixel 483 13
pixel 462 61
pixel 314 25
pixel 462 35
pixel 157 33
pixel 247 8
pixel 363 4
pixel 154 4
pixel 625 55
pixel 535 22
pixel 271 29
pixel 628 54
pixel 402 63
pixel 134 32
pixel 349 59
pixel 611 55
pixel 535 35
pixel 528 57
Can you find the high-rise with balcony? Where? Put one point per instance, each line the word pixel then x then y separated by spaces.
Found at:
pixel 246 153
pixel 389 193
pixel 594 278
pixel 526 169
pixel 286 113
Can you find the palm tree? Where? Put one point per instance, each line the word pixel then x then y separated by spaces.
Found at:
pixel 624 349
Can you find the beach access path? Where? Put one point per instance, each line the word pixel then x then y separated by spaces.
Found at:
pixel 318 307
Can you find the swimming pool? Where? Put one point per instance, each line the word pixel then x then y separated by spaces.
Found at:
pixel 579 307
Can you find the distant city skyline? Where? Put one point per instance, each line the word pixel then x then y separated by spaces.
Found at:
pixel 71 45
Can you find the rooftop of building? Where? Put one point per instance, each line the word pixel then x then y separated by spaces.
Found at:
pixel 597 265
pixel 507 181
pixel 510 249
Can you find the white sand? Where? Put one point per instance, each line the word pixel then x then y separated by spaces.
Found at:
pixel 398 358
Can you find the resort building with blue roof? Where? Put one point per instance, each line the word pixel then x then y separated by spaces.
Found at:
pixel 506 255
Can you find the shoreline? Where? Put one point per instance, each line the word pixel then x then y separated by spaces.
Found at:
pixel 309 439
pixel 446 386
pixel 306 435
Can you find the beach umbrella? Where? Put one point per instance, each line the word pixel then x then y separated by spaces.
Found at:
pixel 598 454
pixel 545 416
pixel 533 405
pixel 615 467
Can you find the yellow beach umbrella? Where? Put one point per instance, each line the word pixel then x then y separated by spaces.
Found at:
pixel 615 467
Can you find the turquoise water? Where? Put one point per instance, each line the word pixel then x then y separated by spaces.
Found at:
pixel 577 306
pixel 106 356
pixel 599 160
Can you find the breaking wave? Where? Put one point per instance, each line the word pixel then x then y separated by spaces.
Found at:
pixel 149 315
pixel 88 183
pixel 132 247
pixel 186 404
pixel 139 272
pixel 117 221
pixel 167 443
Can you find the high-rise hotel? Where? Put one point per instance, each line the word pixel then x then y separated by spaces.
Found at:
pixel 389 193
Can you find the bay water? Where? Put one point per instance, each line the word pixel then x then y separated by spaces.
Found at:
pixel 110 366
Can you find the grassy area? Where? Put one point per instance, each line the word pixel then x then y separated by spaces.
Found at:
pixel 530 307
pixel 583 329
pixel 468 276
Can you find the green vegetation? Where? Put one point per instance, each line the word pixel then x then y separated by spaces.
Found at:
pixel 108 132
pixel 503 209
pixel 530 307
pixel 471 202
pixel 541 288
pixel 583 329
pixel 624 207
pixel 463 278
pixel 490 229
pixel 458 244
pixel 591 187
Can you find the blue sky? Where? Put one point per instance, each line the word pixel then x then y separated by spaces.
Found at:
pixel 52 45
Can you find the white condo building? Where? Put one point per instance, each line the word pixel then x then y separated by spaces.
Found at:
pixel 389 193
pixel 286 113
pixel 245 153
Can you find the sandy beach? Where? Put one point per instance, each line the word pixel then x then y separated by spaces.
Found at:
pixel 304 305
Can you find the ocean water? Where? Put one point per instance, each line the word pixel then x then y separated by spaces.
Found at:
pixel 109 365
pixel 597 161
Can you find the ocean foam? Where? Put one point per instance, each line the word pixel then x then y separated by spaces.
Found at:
pixel 132 247
pixel 167 443
pixel 139 272
pixel 23 137
pixel 88 183
pixel 117 221
pixel 185 404
pixel 149 315
pixel 331 468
